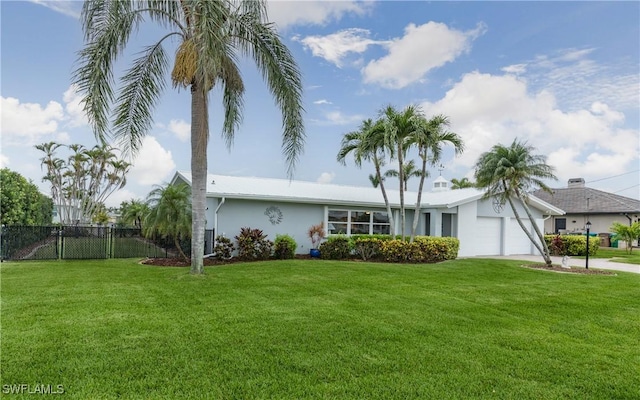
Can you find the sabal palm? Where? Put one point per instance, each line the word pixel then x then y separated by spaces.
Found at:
pixel 212 36
pixel 430 141
pixel 509 173
pixel 368 144
pixel 169 213
pixel 398 128
pixel 409 171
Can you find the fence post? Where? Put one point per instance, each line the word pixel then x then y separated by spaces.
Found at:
pixel 109 243
pixel 59 242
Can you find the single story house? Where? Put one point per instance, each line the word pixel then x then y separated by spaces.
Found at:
pixel 281 206
pixel 583 204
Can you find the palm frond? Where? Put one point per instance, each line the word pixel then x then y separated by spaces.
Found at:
pixel 280 71
pixel 107 26
pixel 233 98
pixel 142 85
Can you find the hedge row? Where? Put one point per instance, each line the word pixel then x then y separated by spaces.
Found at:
pixel 571 245
pixel 424 249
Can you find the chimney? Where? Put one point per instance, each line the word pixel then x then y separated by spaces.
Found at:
pixel 576 183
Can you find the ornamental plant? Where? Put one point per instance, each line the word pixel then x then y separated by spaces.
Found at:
pixel 316 233
pixel 284 247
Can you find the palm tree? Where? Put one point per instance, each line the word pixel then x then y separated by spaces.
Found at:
pixel 375 182
pixel 367 144
pixel 429 141
pixel 627 233
pixel 80 185
pixel 409 171
pixel 169 213
pixel 212 35
pixel 134 212
pixel 398 127
pixel 509 173
pixel 462 183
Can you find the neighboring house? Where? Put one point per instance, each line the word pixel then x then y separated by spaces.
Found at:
pixel 280 206
pixel 583 204
pixel 60 211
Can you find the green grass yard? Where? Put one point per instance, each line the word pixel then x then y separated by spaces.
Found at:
pixel 312 329
pixel 618 255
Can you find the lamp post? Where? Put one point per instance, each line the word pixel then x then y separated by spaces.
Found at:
pixel 588 225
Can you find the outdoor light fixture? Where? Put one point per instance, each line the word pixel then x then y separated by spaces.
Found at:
pixel 588 225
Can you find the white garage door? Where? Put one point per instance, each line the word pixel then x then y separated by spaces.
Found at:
pixel 487 236
pixel 517 240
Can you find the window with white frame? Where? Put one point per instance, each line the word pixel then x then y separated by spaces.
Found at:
pixel 354 222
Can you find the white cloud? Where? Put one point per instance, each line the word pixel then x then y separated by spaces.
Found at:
pixel 29 123
pixel 121 195
pixel 313 12
pixel 74 108
pixel 322 101
pixel 336 46
pixel 339 118
pixel 70 8
pixel 487 109
pixel 577 81
pixel 326 177
pixel 180 128
pixel 4 161
pixel 421 49
pixel 515 69
pixel 153 164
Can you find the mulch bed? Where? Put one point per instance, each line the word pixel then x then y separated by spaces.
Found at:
pixel 178 262
pixel 572 270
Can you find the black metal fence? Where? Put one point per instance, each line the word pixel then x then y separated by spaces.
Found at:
pixel 81 242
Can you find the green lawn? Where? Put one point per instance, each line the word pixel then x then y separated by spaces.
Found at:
pixel 319 330
pixel 618 255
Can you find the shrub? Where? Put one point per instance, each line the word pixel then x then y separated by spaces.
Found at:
pixel 223 248
pixel 398 251
pixel 437 249
pixel 424 249
pixel 284 247
pixel 572 245
pixel 368 248
pixel 337 247
pixel 253 244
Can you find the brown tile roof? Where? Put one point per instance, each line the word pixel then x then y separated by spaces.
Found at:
pixel 574 201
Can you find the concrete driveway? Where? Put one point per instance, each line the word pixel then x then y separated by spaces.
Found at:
pixel 596 263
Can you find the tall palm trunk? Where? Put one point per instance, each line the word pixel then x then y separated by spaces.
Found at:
pixel 176 243
pixel 544 250
pixel 416 215
pixel 392 229
pixel 199 139
pixel 401 179
pixel 546 254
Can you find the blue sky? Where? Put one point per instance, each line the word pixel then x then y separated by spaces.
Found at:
pixel 565 76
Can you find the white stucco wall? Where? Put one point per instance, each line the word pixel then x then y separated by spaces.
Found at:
pixel 296 219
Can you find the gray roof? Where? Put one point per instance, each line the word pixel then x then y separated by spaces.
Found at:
pixel 242 187
pixel 573 200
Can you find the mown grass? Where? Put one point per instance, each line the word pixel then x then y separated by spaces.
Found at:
pixel 618 255
pixel 320 330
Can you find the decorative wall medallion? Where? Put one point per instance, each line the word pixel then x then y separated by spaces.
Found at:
pixel 274 214
pixel 498 205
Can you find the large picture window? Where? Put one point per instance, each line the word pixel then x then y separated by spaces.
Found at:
pixel 352 222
